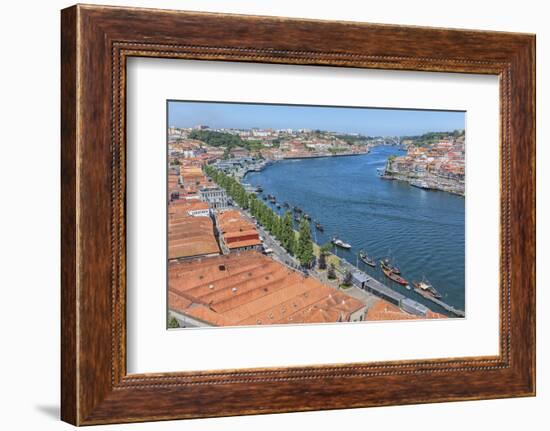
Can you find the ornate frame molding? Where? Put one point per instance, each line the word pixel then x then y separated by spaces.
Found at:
pixel 96 41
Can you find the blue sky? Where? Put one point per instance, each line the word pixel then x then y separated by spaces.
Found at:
pixel 367 121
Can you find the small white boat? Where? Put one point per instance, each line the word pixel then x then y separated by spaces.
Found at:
pixel 340 243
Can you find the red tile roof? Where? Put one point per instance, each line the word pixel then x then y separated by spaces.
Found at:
pixel 237 231
pixel 383 310
pixel 191 236
pixel 249 288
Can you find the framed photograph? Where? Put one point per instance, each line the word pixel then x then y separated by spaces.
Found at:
pixel 264 215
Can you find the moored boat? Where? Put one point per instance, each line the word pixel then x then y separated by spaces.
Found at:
pixel 366 259
pixel 319 227
pixel 394 277
pixel 425 289
pixel 297 209
pixel 339 243
pixel 386 264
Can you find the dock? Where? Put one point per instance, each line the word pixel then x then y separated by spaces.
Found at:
pixel 370 284
pixel 449 308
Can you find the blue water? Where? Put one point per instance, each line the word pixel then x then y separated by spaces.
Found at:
pixel 422 231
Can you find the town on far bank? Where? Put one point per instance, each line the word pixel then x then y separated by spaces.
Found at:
pixel 233 260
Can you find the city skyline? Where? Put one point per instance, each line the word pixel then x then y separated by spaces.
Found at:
pixel 365 121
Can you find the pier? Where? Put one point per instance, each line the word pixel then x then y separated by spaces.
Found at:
pixel 370 284
pixel 447 307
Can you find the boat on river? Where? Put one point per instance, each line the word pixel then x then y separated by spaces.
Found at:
pixel 339 243
pixel 319 227
pixel 366 259
pixel 394 277
pixel 297 209
pixel 386 264
pixel 425 289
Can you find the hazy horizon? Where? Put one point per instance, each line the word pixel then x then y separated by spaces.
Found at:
pixel 365 121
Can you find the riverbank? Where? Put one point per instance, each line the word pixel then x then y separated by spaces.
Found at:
pixel 426 181
pixel 319 156
pixel 422 232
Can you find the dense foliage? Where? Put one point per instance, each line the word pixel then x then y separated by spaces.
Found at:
pixel 299 245
pixel 352 139
pixel 347 278
pixel 331 273
pixel 217 139
pixel 304 249
pixel 433 137
pixel 322 261
pixel 173 322
pixel 222 139
pixel 233 188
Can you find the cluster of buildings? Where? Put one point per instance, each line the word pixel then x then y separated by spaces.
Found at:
pixel 219 271
pixel 249 288
pixel 218 274
pixel 439 166
pixel 314 146
pixel 276 144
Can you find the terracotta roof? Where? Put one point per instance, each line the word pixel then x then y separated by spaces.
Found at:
pixel 236 230
pixel 244 243
pixel 178 302
pixel 183 206
pixel 191 236
pixel 383 310
pixel 249 288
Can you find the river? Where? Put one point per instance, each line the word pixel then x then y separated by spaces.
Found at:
pixel 422 231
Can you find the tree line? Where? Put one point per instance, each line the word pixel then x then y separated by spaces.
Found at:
pixel 433 137
pixel 223 139
pixel 281 227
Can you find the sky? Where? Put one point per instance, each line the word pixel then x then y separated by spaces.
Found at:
pixel 366 121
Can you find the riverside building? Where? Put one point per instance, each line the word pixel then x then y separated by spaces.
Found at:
pixel 248 288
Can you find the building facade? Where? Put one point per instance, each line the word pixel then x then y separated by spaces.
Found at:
pixel 215 197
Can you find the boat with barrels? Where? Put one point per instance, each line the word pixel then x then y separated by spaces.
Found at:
pixel 424 288
pixel 394 277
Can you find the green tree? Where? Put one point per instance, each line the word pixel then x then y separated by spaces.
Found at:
pixel 347 278
pixel 322 261
pixel 304 249
pixel 287 232
pixel 326 248
pixel 276 230
pixel 173 322
pixel 331 273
